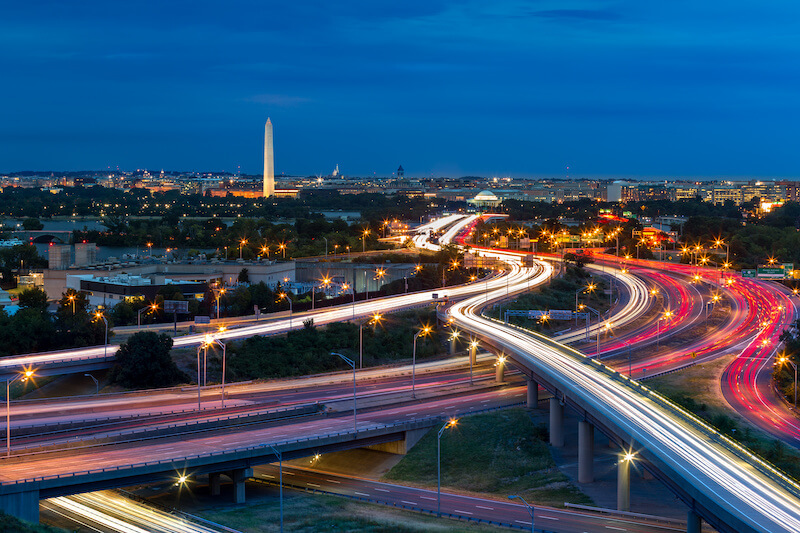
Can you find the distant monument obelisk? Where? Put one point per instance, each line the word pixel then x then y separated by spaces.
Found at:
pixel 269 161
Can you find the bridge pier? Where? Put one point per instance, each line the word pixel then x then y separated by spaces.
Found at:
pixel 23 505
pixel 556 423
pixel 533 394
pixel 214 483
pixel 500 371
pixel 623 484
pixel 473 354
pixel 453 345
pixel 694 524
pixel 585 452
pixel 239 476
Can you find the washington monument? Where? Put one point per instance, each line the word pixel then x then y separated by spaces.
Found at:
pixel 269 161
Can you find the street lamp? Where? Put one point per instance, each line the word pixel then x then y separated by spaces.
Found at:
pixel 784 359
pixel 218 291
pixel 363 240
pixel 288 299
pixel 210 341
pixel 526 504
pixel 450 423
pixel 24 376
pixel 96 383
pixel 473 348
pixel 100 316
pixel 241 243
pixel 353 366
pixel 71 298
pixel 421 333
pixel 152 308
pixel 374 320
pixel 666 316
pixel 346 286
pixel 279 455
pixel 282 248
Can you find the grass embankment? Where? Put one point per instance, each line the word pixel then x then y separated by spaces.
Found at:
pixel 497 453
pixel 697 389
pixel 15 525
pixel 307 513
pixel 558 294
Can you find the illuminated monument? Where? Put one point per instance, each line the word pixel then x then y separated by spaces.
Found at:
pixel 269 161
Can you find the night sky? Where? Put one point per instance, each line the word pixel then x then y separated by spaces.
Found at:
pixel 538 88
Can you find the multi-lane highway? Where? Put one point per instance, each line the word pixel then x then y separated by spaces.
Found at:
pixel 723 478
pixel 470 508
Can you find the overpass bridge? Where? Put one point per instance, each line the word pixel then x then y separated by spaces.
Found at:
pixel 26 479
pixel 43 236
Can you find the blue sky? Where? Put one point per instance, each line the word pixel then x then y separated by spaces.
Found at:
pixel 568 87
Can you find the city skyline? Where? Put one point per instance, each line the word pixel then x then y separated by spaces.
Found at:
pixel 582 88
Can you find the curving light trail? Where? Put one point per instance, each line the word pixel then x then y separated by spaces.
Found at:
pixel 732 484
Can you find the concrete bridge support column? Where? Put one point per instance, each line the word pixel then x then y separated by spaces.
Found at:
pixel 473 354
pixel 239 476
pixel 453 345
pixel 214 483
pixel 585 452
pixel 500 371
pixel 24 505
pixel 533 394
pixel 556 423
pixel 623 484
pixel 694 524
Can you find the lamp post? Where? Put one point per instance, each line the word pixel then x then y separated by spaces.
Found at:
pixel 363 240
pixel 374 319
pixel 282 248
pixel 421 333
pixel 21 376
pixel 353 366
pixel 279 455
pixel 326 246
pixel 526 504
pixel 217 293
pixel 784 359
pixel 210 341
pixel 71 298
pixel 152 308
pixel 241 243
pixel 450 423
pixel 199 348
pixel 288 299
pixel 96 383
pixel 666 316
pixel 99 315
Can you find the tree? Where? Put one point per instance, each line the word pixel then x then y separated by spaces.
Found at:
pixel 33 298
pixel 244 276
pixel 32 224
pixel 144 361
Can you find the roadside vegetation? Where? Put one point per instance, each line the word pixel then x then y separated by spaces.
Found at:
pixel 308 350
pixel 310 513
pixel 505 443
pixel 11 524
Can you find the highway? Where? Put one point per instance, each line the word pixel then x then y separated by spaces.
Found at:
pixel 732 484
pixel 110 512
pixel 469 508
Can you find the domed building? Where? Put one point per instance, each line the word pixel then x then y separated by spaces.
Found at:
pixel 485 199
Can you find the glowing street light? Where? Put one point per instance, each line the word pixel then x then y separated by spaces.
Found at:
pixel 22 376
pixel 100 316
pixel 374 320
pixel 421 333
pixel 449 424
pixel 241 244
pixel 152 308
pixel 283 295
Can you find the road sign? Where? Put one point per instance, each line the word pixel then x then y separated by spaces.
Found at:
pixel 770 272
pixel 536 314
pixel 748 272
pixel 560 314
pixel 176 306
pixel 200 319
